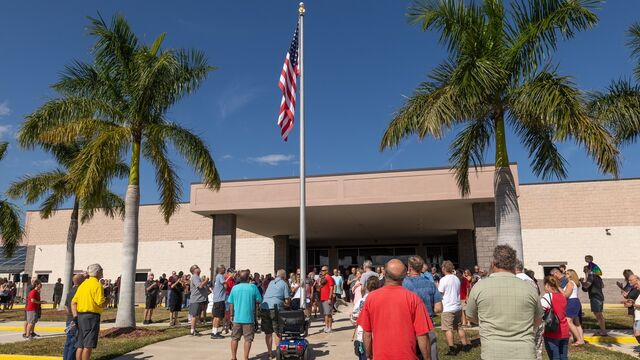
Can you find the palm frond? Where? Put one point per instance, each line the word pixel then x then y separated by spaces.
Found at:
pixel 546 160
pixel 619 107
pixel 551 100
pixel 537 27
pixel 168 181
pixel 468 149
pixel 52 202
pixel 634 44
pixel 192 148
pixel 456 21
pixel 33 188
pixel 104 201
pixel 116 44
pixel 59 113
pixel 99 158
pixel 3 149
pixel 10 227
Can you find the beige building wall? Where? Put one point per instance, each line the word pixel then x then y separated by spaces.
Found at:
pixel 185 241
pixel 566 221
pixel 155 256
pixel 254 252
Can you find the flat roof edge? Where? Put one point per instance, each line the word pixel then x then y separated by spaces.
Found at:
pixel 577 181
pixel 351 173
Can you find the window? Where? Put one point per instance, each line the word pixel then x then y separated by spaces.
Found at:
pixel 141 277
pixel 548 266
pixel 44 278
pixel 316 258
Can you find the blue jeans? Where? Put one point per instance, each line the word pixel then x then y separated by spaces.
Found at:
pixel 557 349
pixel 69 352
pixel 167 299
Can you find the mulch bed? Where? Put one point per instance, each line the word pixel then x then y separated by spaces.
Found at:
pixel 129 333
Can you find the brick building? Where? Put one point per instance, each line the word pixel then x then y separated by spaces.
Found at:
pixel 351 217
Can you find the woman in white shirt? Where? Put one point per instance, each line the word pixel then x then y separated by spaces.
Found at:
pixel 372 284
pixel 573 307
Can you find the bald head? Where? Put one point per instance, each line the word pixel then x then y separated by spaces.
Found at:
pixel 78 279
pixel 395 271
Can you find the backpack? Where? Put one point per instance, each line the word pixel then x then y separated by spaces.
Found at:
pixel 551 320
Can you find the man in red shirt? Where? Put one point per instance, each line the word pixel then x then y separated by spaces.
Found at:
pixel 32 309
pixel 327 293
pixel 229 282
pixel 386 315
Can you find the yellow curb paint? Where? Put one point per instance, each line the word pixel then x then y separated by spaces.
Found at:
pixel 35 357
pixel 611 339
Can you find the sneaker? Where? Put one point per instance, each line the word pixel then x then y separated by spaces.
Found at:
pixel 195 333
pixel 24 336
pixel 150 322
pixel 217 336
pixel 33 334
pixel 145 322
pixel 467 348
pixel 452 351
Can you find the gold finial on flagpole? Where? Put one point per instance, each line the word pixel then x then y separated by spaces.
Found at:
pixel 301 8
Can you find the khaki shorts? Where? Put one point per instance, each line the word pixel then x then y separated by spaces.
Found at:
pixel 451 320
pixel 240 330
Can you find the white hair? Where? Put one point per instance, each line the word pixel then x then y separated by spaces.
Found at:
pixel 94 269
pixel 367 264
pixel 281 274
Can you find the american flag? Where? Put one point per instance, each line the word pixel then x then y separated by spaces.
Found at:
pixel 288 86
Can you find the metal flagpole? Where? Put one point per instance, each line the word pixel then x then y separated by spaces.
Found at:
pixel 303 194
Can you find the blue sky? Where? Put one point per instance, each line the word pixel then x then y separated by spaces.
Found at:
pixel 361 58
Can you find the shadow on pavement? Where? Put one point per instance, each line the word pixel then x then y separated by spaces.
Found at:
pixel 135 356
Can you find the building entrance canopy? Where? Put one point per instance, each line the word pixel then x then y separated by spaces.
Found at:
pixel 395 204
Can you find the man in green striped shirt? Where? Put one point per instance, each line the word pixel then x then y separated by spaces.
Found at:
pixel 507 310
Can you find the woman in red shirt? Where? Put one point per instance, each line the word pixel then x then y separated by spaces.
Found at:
pixel 465 288
pixel 556 342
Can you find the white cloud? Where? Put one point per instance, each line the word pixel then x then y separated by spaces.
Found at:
pixel 235 97
pixel 272 159
pixel 4 130
pixel 4 108
pixel 226 157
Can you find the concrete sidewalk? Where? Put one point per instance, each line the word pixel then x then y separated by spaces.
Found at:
pixel 618 340
pixel 336 345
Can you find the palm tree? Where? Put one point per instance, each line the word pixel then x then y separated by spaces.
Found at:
pixel 496 75
pixel 619 106
pixel 56 187
pixel 10 226
pixel 120 103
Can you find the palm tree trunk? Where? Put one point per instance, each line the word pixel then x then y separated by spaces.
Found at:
pixel 507 210
pixel 70 258
pixel 125 317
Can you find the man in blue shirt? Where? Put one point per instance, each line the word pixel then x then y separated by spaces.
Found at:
pixel 242 308
pixel 277 294
pixel 427 291
pixel 219 297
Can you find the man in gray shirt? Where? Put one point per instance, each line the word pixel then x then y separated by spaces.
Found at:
pixel 198 299
pixel 506 309
pixel 367 265
pixel 219 297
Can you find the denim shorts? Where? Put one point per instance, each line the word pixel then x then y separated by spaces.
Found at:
pixel 636 325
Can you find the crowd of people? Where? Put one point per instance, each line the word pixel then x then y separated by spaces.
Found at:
pixel 393 306
pixel 8 292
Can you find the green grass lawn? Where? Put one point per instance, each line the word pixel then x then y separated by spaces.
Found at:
pixel 109 315
pixel 586 352
pixel 108 347
pixel 616 318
